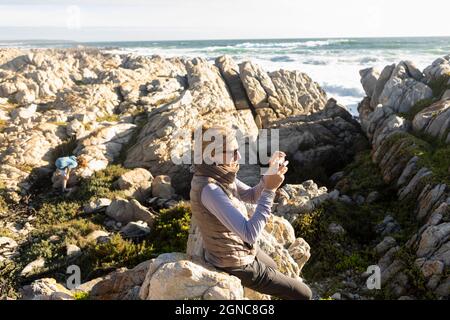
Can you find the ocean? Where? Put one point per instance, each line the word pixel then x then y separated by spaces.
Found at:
pixel 333 63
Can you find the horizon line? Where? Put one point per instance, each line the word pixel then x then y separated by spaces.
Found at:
pixel 223 39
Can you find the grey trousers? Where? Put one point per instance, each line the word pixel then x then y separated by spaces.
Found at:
pixel 263 276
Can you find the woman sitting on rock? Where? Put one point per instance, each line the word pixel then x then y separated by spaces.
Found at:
pixel 229 237
pixel 65 165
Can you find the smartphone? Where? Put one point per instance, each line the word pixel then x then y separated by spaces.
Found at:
pixel 274 169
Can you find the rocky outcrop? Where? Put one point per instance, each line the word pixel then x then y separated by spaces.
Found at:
pixel 126 211
pixel 280 94
pixel 146 106
pixel 321 143
pixel 299 199
pixel 172 276
pixel 399 153
pixel 46 289
pixel 434 120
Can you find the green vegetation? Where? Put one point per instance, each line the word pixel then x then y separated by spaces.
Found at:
pixel 432 154
pixel 352 250
pixel 100 185
pixel 3 125
pixel 362 176
pixel 171 229
pixel 109 118
pixel 60 221
pixel 331 253
pixel 81 295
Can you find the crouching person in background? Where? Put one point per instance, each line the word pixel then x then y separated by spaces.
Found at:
pixel 65 166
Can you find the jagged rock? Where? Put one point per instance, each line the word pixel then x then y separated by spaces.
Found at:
pixel 172 276
pixel 136 229
pixel 137 183
pixel 373 197
pixel 126 211
pixel 24 114
pixel 387 259
pixel 434 120
pixel 430 267
pixel 166 137
pixel 230 72
pixel 46 289
pixel 98 236
pixel 379 86
pixel 387 226
pixel 336 229
pixel 300 252
pixel 446 95
pixel 301 198
pixel 398 87
pixel 281 229
pixel 97 205
pixel 117 285
pixel 440 67
pixel 428 198
pixel 385 245
pixel 404 89
pixel 162 187
pixel 33 267
pixel 431 238
pixel 280 93
pixel 313 141
pixel 104 145
pixel 369 78
pixel 7 248
pixel 73 251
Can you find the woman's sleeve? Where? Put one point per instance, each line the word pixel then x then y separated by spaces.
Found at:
pixel 249 194
pixel 217 202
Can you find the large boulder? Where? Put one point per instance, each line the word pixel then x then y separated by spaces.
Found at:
pixel 434 120
pixel 369 78
pixel 172 276
pixel 136 183
pixel 321 143
pixel 279 94
pixel 46 289
pixel 104 145
pixel 439 68
pixel 122 284
pixel 126 211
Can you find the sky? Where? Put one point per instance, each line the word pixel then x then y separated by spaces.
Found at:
pixel 134 20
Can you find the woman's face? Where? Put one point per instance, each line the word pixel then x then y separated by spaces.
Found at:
pixel 230 155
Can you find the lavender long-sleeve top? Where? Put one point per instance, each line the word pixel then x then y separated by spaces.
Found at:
pixel 217 202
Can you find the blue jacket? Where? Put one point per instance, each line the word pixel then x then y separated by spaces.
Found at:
pixel 66 162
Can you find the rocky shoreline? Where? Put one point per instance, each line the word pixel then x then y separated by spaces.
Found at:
pixel 126 222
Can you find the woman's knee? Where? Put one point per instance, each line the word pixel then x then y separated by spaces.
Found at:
pixel 303 292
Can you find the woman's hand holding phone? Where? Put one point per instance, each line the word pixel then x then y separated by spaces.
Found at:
pixel 277 168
